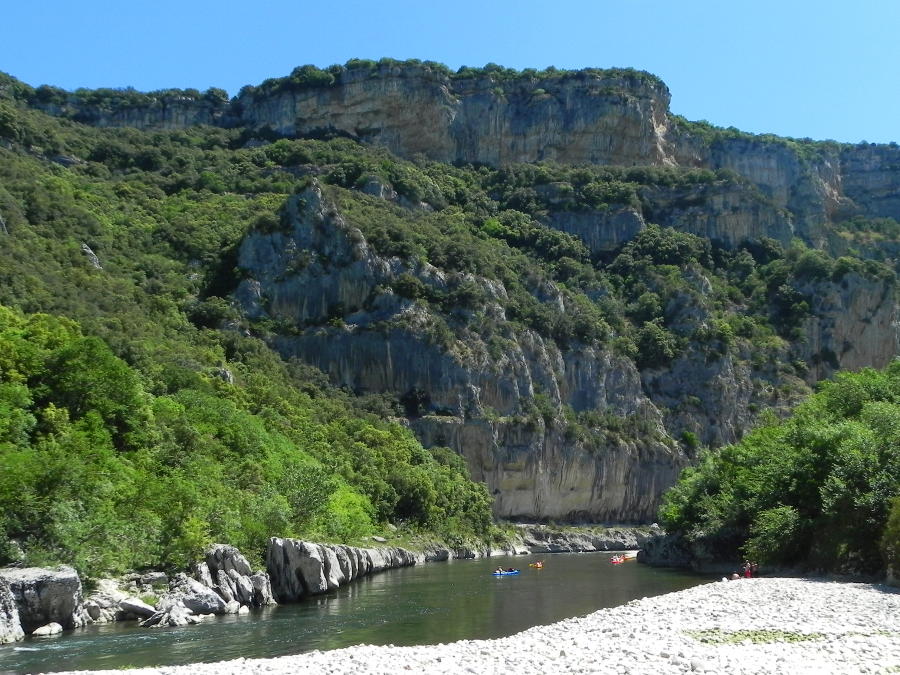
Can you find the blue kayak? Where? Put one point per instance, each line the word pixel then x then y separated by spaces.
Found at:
pixel 506 574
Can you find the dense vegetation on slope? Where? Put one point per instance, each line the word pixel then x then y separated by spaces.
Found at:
pixel 143 433
pixel 100 472
pixel 179 425
pixel 815 489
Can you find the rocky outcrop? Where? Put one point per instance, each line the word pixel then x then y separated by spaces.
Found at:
pixel 156 112
pixel 10 626
pixel 725 212
pixel 299 568
pixel 43 596
pixel 544 539
pixel 227 571
pixel 675 550
pixel 601 231
pixel 870 178
pixel 49 630
pixel 479 400
pixel 481 395
pixel 186 600
pixel 222 583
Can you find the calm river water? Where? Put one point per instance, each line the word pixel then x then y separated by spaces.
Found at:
pixel 427 604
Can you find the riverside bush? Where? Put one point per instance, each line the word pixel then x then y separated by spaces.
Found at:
pixel 816 489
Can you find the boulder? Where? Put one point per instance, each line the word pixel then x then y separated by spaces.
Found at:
pixel 224 557
pixel 331 568
pixel 154 579
pixel 186 599
pixel 195 596
pixel 174 615
pixel 10 627
pixel 437 554
pixel 102 605
pixel 343 559
pixel 136 607
pixel 44 596
pixel 224 586
pixel 243 587
pixel 262 590
pixel 282 563
pixel 312 568
pixel 203 574
pixel 51 628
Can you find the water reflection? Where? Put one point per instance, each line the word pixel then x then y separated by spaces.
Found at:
pixel 440 602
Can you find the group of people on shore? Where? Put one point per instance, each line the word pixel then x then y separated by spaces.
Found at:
pixel 748 571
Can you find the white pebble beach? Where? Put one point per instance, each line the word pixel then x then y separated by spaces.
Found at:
pixel 771 625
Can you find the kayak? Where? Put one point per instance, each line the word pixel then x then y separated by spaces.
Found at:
pixel 536 566
pixel 506 574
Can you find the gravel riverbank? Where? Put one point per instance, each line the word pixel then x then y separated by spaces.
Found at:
pixel 745 626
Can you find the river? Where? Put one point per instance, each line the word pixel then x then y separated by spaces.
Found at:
pixel 426 604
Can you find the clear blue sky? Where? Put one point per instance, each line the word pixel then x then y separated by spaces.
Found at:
pixel 825 69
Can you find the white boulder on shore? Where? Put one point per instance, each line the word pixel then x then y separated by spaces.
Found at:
pixel 741 627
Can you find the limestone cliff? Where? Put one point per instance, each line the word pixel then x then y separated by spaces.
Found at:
pixel 613 117
pixel 504 409
pixel 540 420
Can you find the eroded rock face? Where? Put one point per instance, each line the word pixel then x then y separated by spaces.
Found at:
pixel 534 472
pixel 162 114
pixel 228 572
pixel 10 626
pixel 301 568
pixel 606 118
pixel 854 325
pixel 478 396
pixel 43 596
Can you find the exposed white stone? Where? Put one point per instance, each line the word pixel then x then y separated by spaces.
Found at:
pixel 51 628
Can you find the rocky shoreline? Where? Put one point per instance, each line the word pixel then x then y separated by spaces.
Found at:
pixel 776 625
pixel 42 602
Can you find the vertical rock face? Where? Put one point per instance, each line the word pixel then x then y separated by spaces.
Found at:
pixel 871 178
pixel 727 214
pixel 301 568
pixel 162 113
pixel 44 595
pixel 535 472
pixel 854 325
pixel 10 626
pixel 587 117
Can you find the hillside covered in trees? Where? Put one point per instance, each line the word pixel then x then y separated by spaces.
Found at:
pixel 815 490
pixel 215 332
